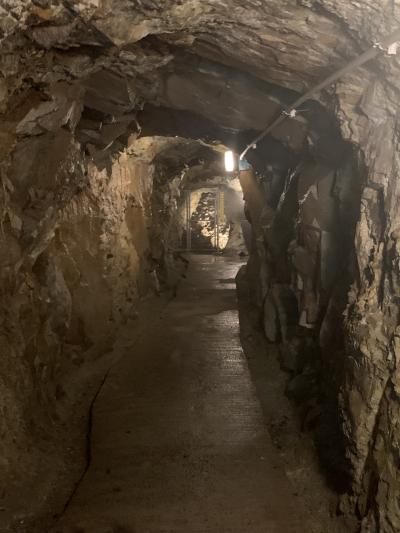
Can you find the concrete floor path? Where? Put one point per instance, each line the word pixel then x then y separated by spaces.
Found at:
pixel 178 442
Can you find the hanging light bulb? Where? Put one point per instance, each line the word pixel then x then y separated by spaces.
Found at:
pixel 230 161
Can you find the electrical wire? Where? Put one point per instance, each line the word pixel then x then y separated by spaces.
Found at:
pixel 291 111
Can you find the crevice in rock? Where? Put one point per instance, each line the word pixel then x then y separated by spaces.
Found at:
pixel 88 445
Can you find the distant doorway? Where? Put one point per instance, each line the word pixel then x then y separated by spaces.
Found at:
pixel 205 222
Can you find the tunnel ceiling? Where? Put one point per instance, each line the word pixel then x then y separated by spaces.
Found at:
pixel 233 63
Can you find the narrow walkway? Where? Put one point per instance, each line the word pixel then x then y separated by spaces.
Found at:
pixel 178 441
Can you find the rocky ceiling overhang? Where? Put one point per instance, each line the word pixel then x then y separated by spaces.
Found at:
pixel 192 163
pixel 232 62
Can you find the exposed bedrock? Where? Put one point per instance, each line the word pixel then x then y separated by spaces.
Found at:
pixel 110 110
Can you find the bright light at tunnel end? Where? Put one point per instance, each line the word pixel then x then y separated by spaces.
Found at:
pixel 230 161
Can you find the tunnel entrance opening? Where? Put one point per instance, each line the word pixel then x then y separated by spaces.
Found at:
pixel 206 228
pixel 211 215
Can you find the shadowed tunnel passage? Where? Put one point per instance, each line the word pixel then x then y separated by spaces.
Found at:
pixel 128 402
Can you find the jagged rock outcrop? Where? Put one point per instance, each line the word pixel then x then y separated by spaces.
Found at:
pixel 79 200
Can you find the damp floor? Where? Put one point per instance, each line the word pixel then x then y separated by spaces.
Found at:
pixel 178 441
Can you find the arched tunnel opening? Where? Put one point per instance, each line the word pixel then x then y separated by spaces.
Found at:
pixel 187 347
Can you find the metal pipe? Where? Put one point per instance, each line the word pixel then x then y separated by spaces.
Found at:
pixel 188 221
pixel 369 54
pixel 218 216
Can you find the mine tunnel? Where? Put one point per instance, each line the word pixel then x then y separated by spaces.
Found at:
pixel 200 268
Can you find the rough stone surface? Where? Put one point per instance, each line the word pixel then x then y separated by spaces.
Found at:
pixel 76 204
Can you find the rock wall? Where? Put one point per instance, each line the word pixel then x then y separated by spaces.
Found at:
pixel 303 261
pixel 368 397
pixel 78 256
pixel 326 260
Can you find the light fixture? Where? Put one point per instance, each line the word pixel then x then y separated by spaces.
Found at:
pixel 230 161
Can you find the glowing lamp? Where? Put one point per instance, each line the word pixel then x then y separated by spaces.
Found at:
pixel 230 161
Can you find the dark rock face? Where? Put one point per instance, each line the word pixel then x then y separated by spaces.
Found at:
pixel 89 207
